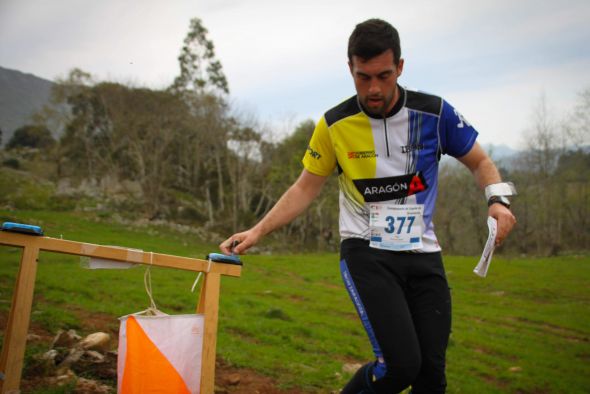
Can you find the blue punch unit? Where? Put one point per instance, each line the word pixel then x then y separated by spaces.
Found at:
pixel 223 258
pixel 22 228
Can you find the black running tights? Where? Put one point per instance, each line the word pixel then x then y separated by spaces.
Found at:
pixel 404 303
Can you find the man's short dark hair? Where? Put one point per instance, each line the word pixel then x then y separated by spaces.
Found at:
pixel 373 37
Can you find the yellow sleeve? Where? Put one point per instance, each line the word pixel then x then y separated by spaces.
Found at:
pixel 320 158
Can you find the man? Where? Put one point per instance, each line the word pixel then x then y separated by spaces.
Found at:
pixel 386 142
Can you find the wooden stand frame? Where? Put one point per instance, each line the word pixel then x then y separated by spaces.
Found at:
pixel 15 338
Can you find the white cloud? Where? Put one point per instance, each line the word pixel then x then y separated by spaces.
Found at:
pixel 138 40
pixel 503 113
pixel 289 59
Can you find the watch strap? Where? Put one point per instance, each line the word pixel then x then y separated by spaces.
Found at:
pixel 500 200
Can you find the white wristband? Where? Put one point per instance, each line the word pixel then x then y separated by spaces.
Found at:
pixel 500 189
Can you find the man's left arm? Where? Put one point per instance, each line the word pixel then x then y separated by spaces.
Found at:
pixel 486 173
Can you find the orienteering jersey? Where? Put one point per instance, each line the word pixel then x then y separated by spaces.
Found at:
pixel 392 158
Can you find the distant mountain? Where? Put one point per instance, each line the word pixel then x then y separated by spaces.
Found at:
pixel 502 155
pixel 500 152
pixel 21 95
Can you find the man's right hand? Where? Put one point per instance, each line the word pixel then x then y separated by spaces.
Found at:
pixel 294 201
pixel 245 240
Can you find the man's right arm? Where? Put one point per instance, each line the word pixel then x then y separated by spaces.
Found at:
pixel 291 204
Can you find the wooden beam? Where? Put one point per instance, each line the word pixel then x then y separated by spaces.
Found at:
pixel 13 348
pixel 116 253
pixel 15 339
pixel 209 306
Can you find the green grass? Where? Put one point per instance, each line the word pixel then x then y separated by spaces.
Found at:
pixel 524 329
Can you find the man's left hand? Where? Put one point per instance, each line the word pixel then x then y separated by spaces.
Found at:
pixel 505 218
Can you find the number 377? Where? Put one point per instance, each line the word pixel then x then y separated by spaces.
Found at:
pixel 399 222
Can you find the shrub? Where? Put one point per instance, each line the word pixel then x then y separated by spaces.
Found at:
pixel 11 163
pixel 31 136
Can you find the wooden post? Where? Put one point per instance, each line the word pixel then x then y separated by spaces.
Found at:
pixel 15 340
pixel 209 306
pixel 13 348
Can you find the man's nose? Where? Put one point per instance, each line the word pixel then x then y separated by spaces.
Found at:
pixel 374 87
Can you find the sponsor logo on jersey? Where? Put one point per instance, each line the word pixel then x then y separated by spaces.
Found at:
pixel 462 121
pixel 365 154
pixel 391 188
pixel 412 147
pixel 313 153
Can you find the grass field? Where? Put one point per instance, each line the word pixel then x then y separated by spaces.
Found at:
pixel 524 329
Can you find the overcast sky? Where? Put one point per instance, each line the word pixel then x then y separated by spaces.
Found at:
pixel 286 61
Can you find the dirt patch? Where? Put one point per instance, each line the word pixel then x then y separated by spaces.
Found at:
pixel 501 383
pixel 549 328
pixel 228 379
pixel 536 390
pixel 39 333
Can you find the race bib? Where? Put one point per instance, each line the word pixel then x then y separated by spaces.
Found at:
pixel 396 227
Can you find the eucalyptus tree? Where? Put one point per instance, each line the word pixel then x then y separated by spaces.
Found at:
pixel 203 86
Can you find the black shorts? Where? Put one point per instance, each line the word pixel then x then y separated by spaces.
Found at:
pixel 404 303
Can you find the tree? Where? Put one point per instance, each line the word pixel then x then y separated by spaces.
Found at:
pixel 460 216
pixel 202 85
pixel 538 201
pixel 578 127
pixel 125 133
pixel 85 121
pixel 31 136
pixel 200 71
pixel 316 226
pixel 58 112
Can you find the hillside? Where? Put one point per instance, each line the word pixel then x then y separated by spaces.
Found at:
pixel 522 329
pixel 21 95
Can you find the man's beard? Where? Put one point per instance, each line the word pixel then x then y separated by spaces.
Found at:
pixel 381 110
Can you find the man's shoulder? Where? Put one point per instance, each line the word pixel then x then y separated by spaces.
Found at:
pixel 423 102
pixel 343 110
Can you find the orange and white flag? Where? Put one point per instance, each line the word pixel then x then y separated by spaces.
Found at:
pixel 160 354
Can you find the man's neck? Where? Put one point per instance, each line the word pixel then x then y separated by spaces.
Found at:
pixel 393 102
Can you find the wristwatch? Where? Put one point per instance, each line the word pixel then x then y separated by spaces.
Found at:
pixel 500 200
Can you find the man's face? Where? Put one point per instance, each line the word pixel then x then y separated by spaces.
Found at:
pixel 375 80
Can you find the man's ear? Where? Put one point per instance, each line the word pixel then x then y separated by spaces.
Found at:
pixel 400 67
pixel 350 66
